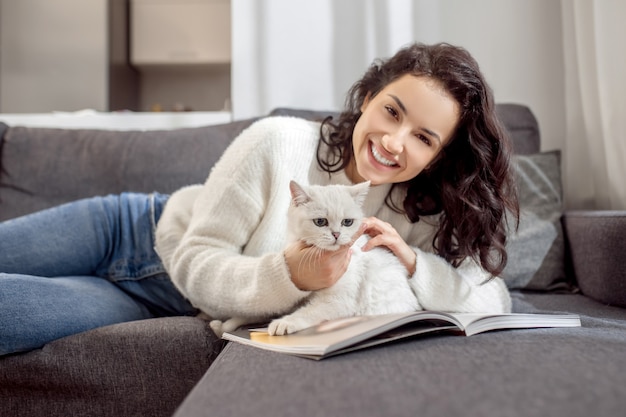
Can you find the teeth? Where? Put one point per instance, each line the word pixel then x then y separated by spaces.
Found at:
pixel 378 157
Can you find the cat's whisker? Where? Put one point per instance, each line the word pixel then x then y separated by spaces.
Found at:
pixel 311 258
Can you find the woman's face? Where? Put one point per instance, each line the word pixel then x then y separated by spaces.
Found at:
pixel 401 130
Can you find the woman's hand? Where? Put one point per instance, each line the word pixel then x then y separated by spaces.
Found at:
pixel 384 234
pixel 312 268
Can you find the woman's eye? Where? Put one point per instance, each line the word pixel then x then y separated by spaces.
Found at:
pixel 424 139
pixel 347 222
pixel 392 111
pixel 320 222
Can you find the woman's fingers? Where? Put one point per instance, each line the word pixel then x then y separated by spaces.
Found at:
pixel 383 234
pixel 312 268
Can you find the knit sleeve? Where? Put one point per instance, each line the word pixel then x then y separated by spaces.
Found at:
pixel 467 289
pixel 207 263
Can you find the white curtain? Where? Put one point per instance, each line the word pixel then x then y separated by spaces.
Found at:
pixel 595 101
pixel 307 53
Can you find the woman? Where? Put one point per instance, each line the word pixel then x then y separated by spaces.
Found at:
pixel 420 126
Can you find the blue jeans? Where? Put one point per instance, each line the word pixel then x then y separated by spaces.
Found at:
pixel 80 266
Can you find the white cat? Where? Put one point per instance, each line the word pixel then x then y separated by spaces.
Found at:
pixel 328 217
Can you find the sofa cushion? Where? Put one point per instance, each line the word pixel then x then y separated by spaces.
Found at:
pixel 597 245
pixel 517 119
pixel 572 372
pixel 537 249
pixel 522 126
pixel 44 167
pixel 3 128
pixel 140 368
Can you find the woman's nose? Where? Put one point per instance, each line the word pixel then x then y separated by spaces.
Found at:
pixel 393 142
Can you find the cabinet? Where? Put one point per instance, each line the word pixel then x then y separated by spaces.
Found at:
pixel 183 32
pixel 182 50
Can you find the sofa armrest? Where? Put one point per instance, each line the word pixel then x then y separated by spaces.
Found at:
pixel 597 247
pixel 137 368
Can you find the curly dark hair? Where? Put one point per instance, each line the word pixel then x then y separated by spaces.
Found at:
pixel 470 182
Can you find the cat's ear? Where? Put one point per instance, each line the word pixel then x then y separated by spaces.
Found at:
pixel 298 195
pixel 359 192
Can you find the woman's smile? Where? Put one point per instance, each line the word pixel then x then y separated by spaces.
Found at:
pixel 378 157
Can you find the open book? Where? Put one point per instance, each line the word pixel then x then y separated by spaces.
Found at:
pixel 344 335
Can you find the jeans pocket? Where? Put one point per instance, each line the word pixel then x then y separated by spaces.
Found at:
pixel 159 295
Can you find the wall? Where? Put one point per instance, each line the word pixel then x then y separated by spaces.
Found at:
pixel 44 46
pixel 520 49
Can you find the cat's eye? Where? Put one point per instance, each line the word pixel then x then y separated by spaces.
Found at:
pixel 321 222
pixel 347 222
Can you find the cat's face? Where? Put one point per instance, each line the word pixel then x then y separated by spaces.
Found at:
pixel 326 216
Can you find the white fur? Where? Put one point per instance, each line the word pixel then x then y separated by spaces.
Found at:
pixel 375 282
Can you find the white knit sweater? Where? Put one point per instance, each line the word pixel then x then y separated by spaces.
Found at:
pixel 222 242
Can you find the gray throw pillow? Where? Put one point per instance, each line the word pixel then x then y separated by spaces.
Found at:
pixel 537 249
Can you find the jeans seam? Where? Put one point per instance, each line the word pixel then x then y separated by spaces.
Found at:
pixel 153 216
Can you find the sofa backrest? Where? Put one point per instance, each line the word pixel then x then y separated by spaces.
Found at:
pixel 42 167
pixel 518 120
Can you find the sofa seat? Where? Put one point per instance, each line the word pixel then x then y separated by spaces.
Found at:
pixel 540 372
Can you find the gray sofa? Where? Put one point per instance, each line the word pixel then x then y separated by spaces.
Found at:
pixel 571 262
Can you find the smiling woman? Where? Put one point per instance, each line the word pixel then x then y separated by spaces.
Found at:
pixel 421 126
pixel 425 121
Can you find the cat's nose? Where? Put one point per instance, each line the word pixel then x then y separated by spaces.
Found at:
pixel 336 235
